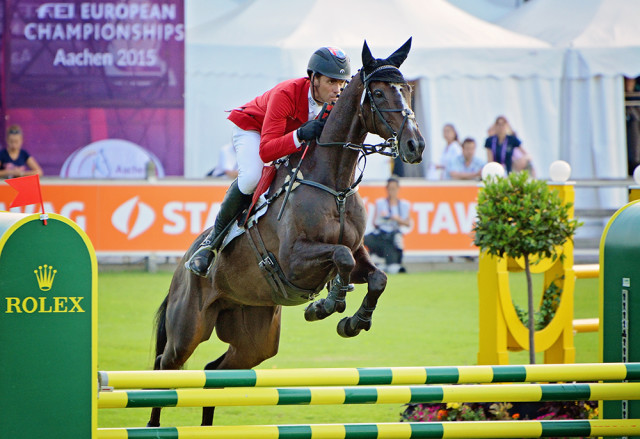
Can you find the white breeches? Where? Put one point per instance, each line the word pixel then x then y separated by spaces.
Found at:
pixel 247 146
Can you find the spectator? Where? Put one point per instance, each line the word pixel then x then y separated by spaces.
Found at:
pixel 391 216
pixel 466 166
pixel 15 161
pixel 451 150
pixel 227 163
pixel 500 146
pixel 520 158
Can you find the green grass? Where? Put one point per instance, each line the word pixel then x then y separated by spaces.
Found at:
pixel 423 319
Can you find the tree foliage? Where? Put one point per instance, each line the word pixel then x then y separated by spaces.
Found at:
pixel 520 216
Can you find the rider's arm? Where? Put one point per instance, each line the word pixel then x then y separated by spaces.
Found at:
pixel 275 141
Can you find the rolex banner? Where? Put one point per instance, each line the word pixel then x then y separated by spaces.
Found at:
pixel 97 87
pixel 48 328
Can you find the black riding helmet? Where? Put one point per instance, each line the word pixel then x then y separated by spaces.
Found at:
pixel 331 62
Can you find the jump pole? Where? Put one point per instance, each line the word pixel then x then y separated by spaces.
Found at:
pixel 253 396
pixel 403 430
pixel 173 379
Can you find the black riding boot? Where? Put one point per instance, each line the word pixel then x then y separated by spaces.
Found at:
pixel 233 204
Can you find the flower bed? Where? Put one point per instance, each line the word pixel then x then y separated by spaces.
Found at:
pixel 497 411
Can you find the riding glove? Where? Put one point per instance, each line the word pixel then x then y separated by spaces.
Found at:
pixel 311 130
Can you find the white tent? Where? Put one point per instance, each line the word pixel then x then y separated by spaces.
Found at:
pixel 469 71
pixel 488 10
pixel 601 40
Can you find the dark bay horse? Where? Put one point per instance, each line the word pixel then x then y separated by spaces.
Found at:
pixel 318 240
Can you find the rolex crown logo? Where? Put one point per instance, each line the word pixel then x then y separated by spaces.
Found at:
pixel 45 274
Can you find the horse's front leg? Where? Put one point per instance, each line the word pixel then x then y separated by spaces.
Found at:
pixel 306 257
pixel 376 279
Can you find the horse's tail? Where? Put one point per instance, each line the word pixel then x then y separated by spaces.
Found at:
pixel 161 331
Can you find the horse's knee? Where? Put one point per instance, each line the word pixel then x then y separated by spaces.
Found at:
pixel 343 258
pixel 377 281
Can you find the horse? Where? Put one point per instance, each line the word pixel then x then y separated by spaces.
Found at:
pixel 318 240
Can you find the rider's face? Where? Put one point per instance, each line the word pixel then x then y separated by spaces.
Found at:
pixel 327 89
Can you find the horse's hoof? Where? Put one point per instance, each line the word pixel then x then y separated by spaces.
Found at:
pixel 149 424
pixel 312 311
pixel 341 306
pixel 345 330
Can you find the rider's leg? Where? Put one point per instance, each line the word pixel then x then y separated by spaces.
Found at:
pixel 234 202
pixel 237 198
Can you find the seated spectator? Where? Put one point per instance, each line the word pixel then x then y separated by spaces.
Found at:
pixel 390 217
pixel 452 149
pixel 15 161
pixel 227 163
pixel 522 162
pixel 466 166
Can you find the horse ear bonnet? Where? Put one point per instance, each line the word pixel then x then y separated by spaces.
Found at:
pixel 370 64
pixel 398 57
pixel 368 61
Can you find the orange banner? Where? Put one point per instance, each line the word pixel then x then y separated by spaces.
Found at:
pixel 166 217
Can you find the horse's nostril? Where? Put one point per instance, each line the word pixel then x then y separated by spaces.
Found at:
pixel 411 144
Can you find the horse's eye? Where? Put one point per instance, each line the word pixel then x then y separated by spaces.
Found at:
pixel 378 93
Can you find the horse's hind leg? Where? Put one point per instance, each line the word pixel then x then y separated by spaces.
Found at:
pixel 181 327
pixel 364 271
pixel 253 335
pixel 338 287
pixel 207 412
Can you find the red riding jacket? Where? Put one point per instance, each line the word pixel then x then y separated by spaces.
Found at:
pixel 276 114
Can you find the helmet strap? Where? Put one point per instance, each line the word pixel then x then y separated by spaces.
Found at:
pixel 313 86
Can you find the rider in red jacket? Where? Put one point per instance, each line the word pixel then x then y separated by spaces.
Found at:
pixel 271 126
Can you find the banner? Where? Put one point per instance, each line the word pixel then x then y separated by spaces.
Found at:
pixel 166 218
pixel 81 72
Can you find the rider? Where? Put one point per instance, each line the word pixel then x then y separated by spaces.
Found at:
pixel 271 126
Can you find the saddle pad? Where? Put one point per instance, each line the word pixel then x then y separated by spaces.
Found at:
pixel 268 173
pixel 237 230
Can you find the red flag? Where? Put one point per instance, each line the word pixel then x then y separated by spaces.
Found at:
pixel 28 192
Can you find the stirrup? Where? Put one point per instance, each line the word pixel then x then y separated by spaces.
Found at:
pixel 205 252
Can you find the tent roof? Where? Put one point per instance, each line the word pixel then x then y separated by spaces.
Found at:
pixel 446 40
pixel 592 23
pixel 433 23
pixel 488 10
pixel 602 36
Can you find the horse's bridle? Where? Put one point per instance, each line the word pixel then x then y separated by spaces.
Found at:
pixel 391 142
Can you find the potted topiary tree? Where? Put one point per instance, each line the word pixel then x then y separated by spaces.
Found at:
pixel 521 217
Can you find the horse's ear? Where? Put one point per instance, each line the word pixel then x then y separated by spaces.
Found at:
pixel 398 57
pixel 367 58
